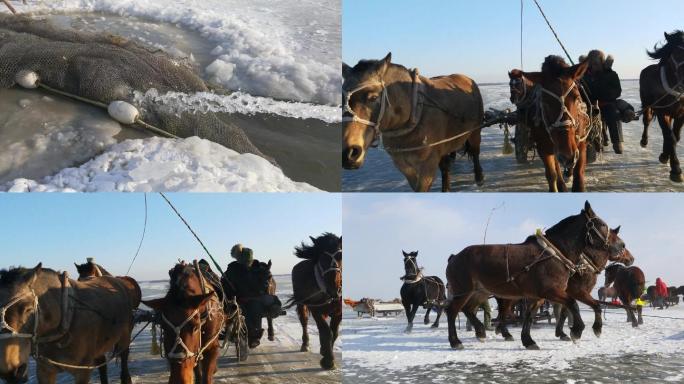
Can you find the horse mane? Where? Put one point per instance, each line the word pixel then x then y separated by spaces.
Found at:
pixel 664 51
pixel 553 66
pixel 614 267
pixel 371 65
pixel 321 244
pixel 11 276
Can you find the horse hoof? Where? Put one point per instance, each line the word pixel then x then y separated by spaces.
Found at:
pixel 456 346
pixel 565 338
pixel 271 338
pixel 597 332
pixel 435 326
pixel 644 143
pixel 328 364
pixel 508 338
pixel 426 322
pixel 481 339
pixel 304 348
pixel 663 158
pixel 532 347
pixel 676 177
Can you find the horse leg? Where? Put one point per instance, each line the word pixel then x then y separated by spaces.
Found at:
pixel 585 298
pixel 303 314
pixel 444 167
pixel 452 310
pixel 551 175
pixel 46 373
pixel 426 320
pixel 335 320
pixel 410 316
pixel 103 370
pixel 669 147
pixel 82 376
pixel 271 333
pixel 480 331
pixel 560 182
pixel 578 173
pixel 677 127
pixel 209 364
pixel 502 318
pixel 646 118
pixel 325 335
pixel 527 324
pixel 641 319
pixel 473 148
pixel 560 323
pixel 125 373
pixel 439 310
pixel 626 301
pixel 426 175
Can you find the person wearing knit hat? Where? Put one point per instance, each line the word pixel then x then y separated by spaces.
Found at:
pixel 243 255
pixel 603 86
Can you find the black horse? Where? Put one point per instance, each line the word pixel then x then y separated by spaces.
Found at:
pixel 418 290
pixel 250 284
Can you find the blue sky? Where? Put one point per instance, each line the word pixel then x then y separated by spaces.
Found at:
pixel 481 39
pixel 59 229
pixel 377 227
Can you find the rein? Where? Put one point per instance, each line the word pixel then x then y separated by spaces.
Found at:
pixel 418 97
pixel 669 90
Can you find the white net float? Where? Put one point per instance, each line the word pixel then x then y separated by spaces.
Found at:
pixel 123 112
pixel 27 79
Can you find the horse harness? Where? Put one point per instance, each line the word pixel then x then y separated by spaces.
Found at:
pixel 185 353
pixel 425 279
pixel 676 90
pixel 319 274
pixel 419 99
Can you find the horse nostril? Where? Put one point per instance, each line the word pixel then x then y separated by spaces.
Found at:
pixel 353 153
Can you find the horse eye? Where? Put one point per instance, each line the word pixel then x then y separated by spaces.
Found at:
pixel 372 98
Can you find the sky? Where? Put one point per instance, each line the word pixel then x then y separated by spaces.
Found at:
pixel 60 229
pixel 378 227
pixel 481 39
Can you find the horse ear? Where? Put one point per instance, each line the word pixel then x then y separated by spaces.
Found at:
pixel 312 239
pixel 346 70
pixel 617 230
pixel 667 36
pixel 515 73
pixel 405 254
pixel 156 304
pixel 535 77
pixel 34 274
pixel 269 263
pixel 588 210
pixel 384 64
pixel 577 71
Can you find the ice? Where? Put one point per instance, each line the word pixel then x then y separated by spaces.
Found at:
pixel 158 164
pixel 264 48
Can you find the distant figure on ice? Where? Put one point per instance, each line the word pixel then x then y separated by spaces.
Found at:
pixel 604 90
pixel 661 293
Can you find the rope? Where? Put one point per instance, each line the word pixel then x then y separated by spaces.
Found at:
pixel 193 233
pixel 502 205
pixel 105 107
pixel 11 8
pixel 554 32
pixel 141 238
pixel 642 315
pixel 521 33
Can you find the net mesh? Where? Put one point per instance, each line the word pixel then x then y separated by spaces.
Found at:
pixel 105 68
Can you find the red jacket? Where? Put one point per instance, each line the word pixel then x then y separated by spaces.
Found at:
pixel 661 288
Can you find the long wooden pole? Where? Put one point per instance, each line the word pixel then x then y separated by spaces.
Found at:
pixel 11 8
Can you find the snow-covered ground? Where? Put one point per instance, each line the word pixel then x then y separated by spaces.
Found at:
pixel 636 170
pixel 378 350
pixel 278 65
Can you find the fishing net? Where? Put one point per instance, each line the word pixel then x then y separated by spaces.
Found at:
pixel 106 68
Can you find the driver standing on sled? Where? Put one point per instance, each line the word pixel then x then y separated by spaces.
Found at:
pixel 603 86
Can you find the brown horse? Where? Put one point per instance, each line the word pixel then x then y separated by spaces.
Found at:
pixel 537 269
pixel 629 283
pixel 78 322
pixel 550 104
pixel 607 293
pixel 421 121
pixel 192 318
pixel 317 289
pixel 661 87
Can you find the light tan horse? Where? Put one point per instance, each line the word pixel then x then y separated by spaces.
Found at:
pixel 421 121
pixel 66 325
pixel 661 87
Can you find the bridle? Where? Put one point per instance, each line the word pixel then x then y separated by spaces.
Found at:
pixel 522 100
pixel 673 90
pixel 320 272
pixel 354 117
pixel 14 333
pixel 185 353
pixel 418 276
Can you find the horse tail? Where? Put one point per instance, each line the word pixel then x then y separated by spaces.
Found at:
pixel 291 302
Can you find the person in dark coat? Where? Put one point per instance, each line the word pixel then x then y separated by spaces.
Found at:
pixel 603 86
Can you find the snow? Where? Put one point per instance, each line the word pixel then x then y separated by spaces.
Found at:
pixel 158 164
pixel 380 344
pixel 265 49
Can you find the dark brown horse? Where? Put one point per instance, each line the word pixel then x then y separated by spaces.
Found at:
pixel 77 324
pixel 421 121
pixel 661 87
pixel 317 289
pixel 629 283
pixel 418 290
pixel 192 318
pixel 537 269
pixel 90 269
pixel 550 105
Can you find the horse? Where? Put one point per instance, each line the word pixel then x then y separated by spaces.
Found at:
pixel 539 268
pixel 191 319
pixel 419 290
pixel 317 289
pixel 78 323
pixel 607 293
pixel 661 88
pixel 672 296
pixel 629 282
pixel 421 121
pixel 90 269
pixel 550 104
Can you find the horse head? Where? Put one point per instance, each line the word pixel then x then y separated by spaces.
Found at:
pixel 262 277
pixel 603 239
pixel 560 106
pixel 18 323
pixel 410 263
pixel 521 88
pixel 367 110
pixel 331 265
pixel 671 53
